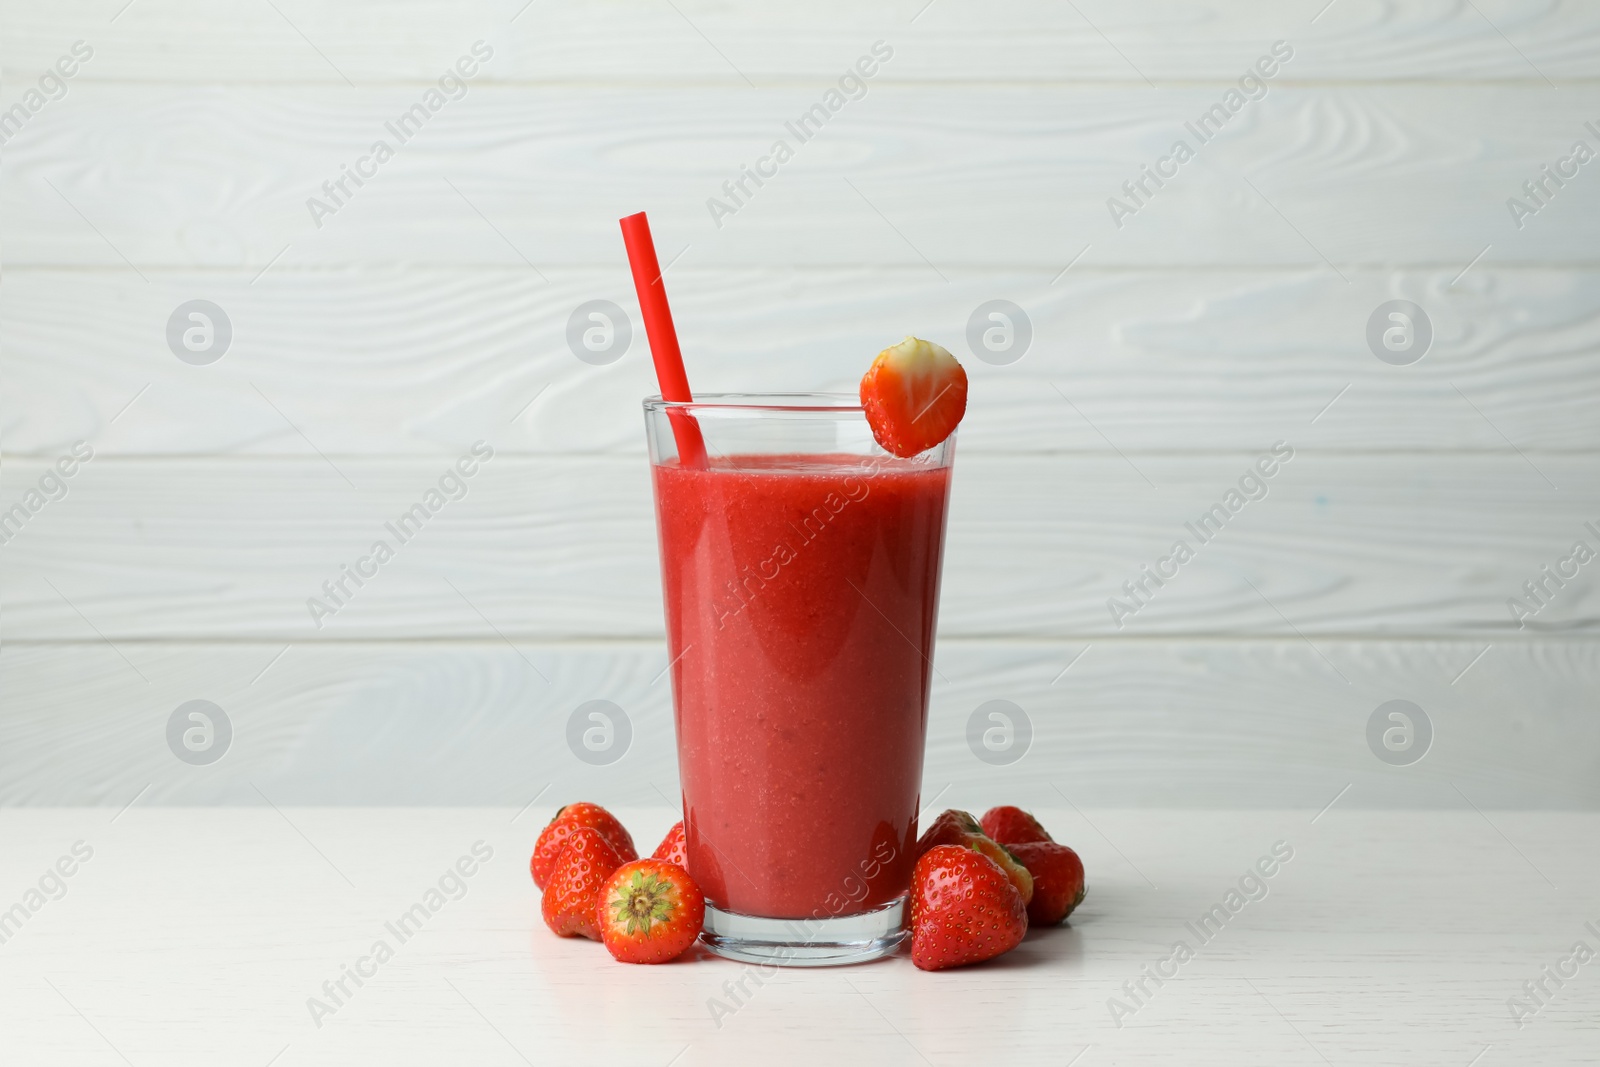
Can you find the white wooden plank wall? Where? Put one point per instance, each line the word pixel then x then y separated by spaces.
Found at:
pixel 430 311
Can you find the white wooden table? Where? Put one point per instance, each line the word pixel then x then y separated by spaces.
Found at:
pixel 197 936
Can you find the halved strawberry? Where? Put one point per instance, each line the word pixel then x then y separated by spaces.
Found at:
pixel 649 911
pixel 674 847
pixel 1012 826
pixel 573 891
pixel 963 909
pixel 914 395
pixel 553 838
pixel 957 827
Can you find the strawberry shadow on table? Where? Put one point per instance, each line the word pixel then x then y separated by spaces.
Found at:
pixel 1042 946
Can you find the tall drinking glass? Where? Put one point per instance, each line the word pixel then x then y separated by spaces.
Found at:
pixel 800 566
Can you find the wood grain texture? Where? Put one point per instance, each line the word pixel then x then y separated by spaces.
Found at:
pixel 430 312
pixel 703 41
pixel 946 179
pixel 424 361
pixel 1385 545
pixel 195 937
pixel 1155 723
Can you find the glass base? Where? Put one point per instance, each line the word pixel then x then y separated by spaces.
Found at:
pixel 830 942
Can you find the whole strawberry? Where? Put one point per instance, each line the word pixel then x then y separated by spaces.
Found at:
pixel 674 848
pixel 963 909
pixel 649 911
pixel 574 888
pixel 554 837
pixel 1057 880
pixel 957 827
pixel 1013 826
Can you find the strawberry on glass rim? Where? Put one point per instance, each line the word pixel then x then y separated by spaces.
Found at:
pixel 914 395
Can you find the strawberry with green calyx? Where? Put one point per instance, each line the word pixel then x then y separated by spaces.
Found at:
pixel 553 838
pixel 573 889
pixel 914 395
pixel 963 909
pixel 1012 826
pixel 649 911
pixel 1057 880
pixel 957 827
pixel 674 848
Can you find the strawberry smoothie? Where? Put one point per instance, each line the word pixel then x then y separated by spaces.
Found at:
pixel 801 594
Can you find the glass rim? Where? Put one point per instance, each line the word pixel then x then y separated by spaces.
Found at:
pixel 841 403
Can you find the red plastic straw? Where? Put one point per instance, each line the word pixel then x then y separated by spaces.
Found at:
pixel 663 337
